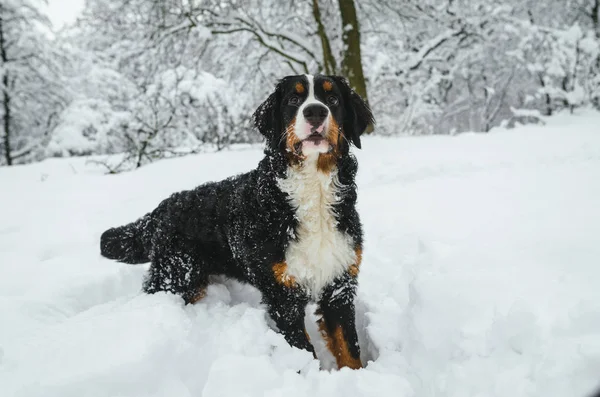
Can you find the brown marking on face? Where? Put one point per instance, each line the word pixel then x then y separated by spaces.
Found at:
pixel 333 132
pixel 327 85
pixel 338 346
pixel 354 268
pixel 327 161
pixel 281 276
pixel 299 88
pixel 200 294
pixel 292 143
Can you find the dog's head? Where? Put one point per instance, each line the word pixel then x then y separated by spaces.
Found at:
pixel 308 115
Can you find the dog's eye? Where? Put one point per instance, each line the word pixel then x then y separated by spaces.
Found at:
pixel 294 100
pixel 332 100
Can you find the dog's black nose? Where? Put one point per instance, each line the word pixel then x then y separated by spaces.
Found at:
pixel 315 114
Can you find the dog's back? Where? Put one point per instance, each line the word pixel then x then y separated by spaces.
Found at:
pixel 194 215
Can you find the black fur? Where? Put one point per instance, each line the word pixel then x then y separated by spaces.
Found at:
pixel 241 227
pixel 358 114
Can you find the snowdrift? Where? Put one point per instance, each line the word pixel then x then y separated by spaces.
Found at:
pixel 480 278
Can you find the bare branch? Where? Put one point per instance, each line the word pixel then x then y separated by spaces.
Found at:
pixel 265 44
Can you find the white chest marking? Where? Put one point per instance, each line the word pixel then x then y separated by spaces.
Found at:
pixel 320 252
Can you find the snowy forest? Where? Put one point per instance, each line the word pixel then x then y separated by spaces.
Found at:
pixel 161 78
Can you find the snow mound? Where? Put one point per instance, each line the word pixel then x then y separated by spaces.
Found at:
pixel 479 278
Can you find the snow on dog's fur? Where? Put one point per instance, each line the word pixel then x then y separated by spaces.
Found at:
pixel 289 227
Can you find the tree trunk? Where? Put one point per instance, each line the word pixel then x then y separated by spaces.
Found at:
pixel 352 61
pixel 328 59
pixel 596 17
pixel 5 94
pixel 596 23
pixel 548 99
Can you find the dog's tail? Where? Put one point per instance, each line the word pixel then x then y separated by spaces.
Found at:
pixel 129 243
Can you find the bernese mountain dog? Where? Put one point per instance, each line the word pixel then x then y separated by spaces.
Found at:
pixel 289 227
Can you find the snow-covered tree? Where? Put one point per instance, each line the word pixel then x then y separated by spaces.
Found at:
pixel 31 82
pixel 145 79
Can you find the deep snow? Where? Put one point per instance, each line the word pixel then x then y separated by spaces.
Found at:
pixel 480 278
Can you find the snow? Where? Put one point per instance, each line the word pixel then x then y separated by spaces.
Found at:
pixel 479 278
pixel 64 12
pixel 85 127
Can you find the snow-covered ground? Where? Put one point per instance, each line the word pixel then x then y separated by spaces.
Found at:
pixel 480 278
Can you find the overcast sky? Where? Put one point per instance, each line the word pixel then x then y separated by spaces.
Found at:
pixel 64 11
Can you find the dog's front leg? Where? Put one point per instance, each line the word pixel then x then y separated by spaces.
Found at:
pixel 286 307
pixel 337 321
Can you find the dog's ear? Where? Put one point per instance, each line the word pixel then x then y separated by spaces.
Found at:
pixel 266 117
pixel 358 114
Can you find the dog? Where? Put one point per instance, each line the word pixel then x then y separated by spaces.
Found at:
pixel 289 227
